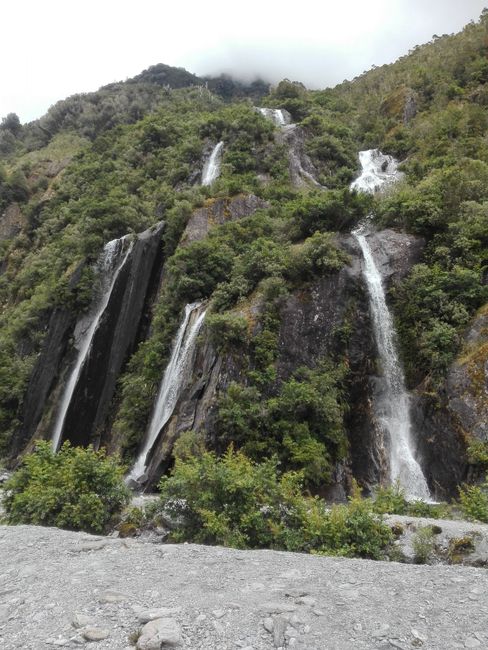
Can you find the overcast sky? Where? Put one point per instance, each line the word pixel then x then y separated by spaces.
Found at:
pixel 50 49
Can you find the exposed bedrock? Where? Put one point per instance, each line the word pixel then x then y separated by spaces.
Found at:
pixel 216 212
pixel 314 321
pixel 115 338
pixel 458 414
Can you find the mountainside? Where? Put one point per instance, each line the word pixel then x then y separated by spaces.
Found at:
pixel 176 259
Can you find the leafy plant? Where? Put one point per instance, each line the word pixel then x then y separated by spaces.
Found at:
pixel 78 489
pixel 237 502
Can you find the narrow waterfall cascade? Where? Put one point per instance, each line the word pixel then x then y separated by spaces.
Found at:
pixel 109 265
pixel 393 408
pixel 377 171
pixel 211 170
pixel 276 115
pixel 171 384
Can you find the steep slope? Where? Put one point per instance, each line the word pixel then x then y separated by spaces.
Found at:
pixel 285 363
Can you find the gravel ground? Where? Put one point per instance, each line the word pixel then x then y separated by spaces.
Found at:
pixel 64 589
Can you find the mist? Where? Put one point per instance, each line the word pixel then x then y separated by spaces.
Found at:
pixel 53 49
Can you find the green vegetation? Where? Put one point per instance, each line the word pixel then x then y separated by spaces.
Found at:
pixel 101 165
pixel 77 489
pixel 391 500
pixel 474 501
pixel 423 543
pixel 236 502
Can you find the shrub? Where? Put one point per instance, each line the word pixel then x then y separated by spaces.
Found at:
pixel 474 501
pixel 77 489
pixel 423 544
pixel 237 502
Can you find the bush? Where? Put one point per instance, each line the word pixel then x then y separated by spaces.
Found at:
pixel 77 489
pixel 423 544
pixel 236 502
pixel 474 501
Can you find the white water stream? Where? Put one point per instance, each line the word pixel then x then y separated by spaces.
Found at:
pixel 211 169
pixel 393 409
pixel 276 115
pixel 171 384
pixel 109 265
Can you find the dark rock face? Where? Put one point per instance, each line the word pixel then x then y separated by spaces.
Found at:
pixel 114 340
pixel 458 414
pixel 217 212
pixel 43 378
pixel 313 320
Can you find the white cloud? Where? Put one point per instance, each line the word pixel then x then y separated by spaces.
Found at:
pixel 55 48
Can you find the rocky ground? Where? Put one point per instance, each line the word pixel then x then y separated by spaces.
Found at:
pixel 64 589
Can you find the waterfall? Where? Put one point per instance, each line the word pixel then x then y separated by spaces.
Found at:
pixel 171 384
pixel 377 171
pixel 109 265
pixel 393 409
pixel 211 169
pixel 276 115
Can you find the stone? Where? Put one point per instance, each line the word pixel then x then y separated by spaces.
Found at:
pixel 146 615
pixel 307 600
pixel 81 620
pixel 95 633
pixel 111 596
pixel 160 633
pixel 280 624
pixel 472 642
pixel 218 613
pixel 277 608
pixel 268 624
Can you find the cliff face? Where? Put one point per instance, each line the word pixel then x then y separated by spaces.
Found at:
pixel 458 413
pixel 115 337
pixel 313 323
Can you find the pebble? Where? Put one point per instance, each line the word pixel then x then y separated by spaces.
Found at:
pixel 471 642
pixel 95 633
pixel 279 627
pixel 268 624
pixel 218 613
pixel 307 600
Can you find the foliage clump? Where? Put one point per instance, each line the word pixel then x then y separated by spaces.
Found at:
pixel 76 488
pixel 237 502
pixel 474 501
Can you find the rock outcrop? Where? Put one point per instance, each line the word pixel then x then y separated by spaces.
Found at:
pixel 119 329
pixel 314 321
pixel 458 413
pixel 216 212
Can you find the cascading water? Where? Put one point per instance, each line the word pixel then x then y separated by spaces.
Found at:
pixel 170 388
pixel 109 265
pixel 377 171
pixel 276 115
pixel 211 169
pixel 393 409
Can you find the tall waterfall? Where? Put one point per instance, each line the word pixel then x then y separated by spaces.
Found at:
pixel 109 265
pixel 171 384
pixel 393 409
pixel 211 169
